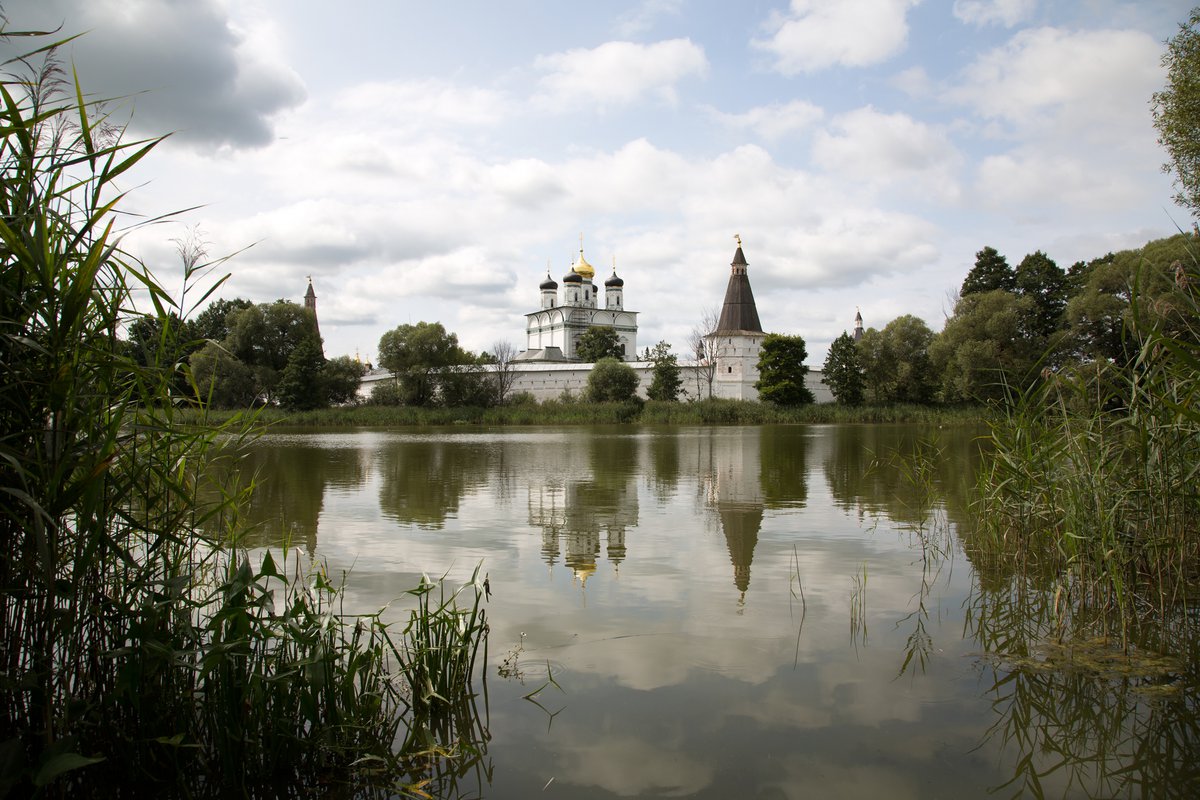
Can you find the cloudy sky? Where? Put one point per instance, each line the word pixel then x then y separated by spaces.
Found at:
pixel 429 161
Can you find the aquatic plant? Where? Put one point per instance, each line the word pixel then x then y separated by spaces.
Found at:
pixel 1091 485
pixel 142 649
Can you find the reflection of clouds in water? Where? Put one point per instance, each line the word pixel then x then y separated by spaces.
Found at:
pixel 630 767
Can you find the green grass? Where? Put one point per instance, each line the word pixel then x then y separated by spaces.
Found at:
pixel 558 412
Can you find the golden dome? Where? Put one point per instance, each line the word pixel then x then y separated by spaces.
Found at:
pixel 584 268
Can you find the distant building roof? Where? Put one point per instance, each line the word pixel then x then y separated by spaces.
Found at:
pixel 739 313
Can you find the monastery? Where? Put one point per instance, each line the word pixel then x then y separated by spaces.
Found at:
pixel 548 366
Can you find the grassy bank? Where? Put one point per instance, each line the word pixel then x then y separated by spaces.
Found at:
pixel 556 412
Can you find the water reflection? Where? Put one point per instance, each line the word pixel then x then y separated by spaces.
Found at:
pixel 653 572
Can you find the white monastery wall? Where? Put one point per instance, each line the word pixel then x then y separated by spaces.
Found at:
pixel 549 381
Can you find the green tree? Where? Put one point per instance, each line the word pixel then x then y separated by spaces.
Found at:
pixel 599 342
pixel 1176 111
pixel 222 380
pixel 212 323
pixel 843 371
pixel 991 272
pixel 1044 282
pixel 612 381
pixel 301 386
pixel 896 363
pixel 341 377
pixel 263 337
pixel 908 339
pixel 466 385
pixel 665 383
pixel 985 347
pixel 781 371
pixel 417 354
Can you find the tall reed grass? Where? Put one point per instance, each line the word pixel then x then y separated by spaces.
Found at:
pixel 1092 482
pixel 140 654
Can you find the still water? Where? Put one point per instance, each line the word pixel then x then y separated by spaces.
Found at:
pixel 752 612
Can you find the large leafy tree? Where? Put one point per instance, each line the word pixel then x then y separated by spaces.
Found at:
pixel 896 363
pixel 1045 283
pixel 301 386
pixel 991 272
pixel 843 371
pixel 264 336
pixel 1176 111
pixel 212 323
pixel 781 371
pixel 985 349
pixel 599 342
pixel 665 383
pixel 340 378
pixel 417 354
pixel 612 380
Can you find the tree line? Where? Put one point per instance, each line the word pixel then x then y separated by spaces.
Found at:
pixel 1013 327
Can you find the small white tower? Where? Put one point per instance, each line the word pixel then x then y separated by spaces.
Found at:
pixel 614 288
pixel 549 289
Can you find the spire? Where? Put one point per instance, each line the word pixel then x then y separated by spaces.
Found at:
pixel 310 303
pixel 858 328
pixel 739 313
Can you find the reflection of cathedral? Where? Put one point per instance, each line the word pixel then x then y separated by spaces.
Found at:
pixel 574 526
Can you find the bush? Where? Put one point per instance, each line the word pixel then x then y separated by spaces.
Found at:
pixel 387 393
pixel 612 381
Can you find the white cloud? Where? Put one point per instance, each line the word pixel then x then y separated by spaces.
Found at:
pixel 1096 83
pixel 774 121
pixel 182 67
pixel 641 19
pixel 983 12
pixel 1033 182
pixel 870 146
pixel 421 103
pixel 617 73
pixel 855 33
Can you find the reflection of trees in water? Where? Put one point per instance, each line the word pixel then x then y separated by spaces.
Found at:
pixel 290 480
pixel 871 469
pixel 422 481
pixel 663 476
pixel 1076 712
pixel 783 470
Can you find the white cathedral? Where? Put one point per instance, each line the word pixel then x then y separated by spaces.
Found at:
pixel 552 332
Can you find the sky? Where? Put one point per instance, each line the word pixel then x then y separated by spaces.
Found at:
pixel 432 161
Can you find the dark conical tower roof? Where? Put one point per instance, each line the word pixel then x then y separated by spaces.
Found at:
pixel 739 313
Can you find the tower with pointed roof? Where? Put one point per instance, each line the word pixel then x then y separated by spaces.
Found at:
pixel 738 337
pixel 310 303
pixel 858 328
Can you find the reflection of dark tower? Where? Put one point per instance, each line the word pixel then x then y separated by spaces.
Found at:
pixel 733 488
pixel 741 523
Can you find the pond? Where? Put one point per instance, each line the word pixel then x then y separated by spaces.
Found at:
pixel 757 612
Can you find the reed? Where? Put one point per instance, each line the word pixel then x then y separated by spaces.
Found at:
pixel 140 653
pixel 1091 482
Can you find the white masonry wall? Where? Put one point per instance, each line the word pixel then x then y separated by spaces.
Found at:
pixel 550 381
